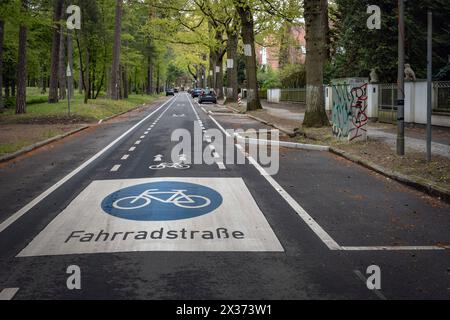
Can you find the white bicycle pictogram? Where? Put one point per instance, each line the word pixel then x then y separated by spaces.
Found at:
pixel 164 165
pixel 176 197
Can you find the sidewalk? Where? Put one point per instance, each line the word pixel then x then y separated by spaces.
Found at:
pixel 290 116
pixel 378 152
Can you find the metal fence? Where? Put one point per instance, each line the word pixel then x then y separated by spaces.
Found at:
pixel 441 103
pixel 387 103
pixel 293 95
pixel 262 93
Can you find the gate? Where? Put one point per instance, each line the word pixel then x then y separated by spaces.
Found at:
pixel 387 107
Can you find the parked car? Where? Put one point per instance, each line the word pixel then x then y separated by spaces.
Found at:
pixel 176 90
pixel 170 92
pixel 207 95
pixel 196 92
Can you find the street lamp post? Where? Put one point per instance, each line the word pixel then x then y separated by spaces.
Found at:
pixel 401 80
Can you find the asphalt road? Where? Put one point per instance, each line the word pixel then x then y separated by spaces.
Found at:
pixel 220 231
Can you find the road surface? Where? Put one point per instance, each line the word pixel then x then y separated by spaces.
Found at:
pixel 139 226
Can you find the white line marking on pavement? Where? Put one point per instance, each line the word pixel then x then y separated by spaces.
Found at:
pixel 8 294
pixel 9 221
pixel 116 168
pixel 394 248
pixel 315 227
pixel 132 149
pixel 363 279
pixel 204 110
pixel 221 165
pixel 146 132
pixel 138 142
pixel 125 157
pixel 142 137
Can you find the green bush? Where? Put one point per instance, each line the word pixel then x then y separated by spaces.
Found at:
pixel 293 76
pixel 268 79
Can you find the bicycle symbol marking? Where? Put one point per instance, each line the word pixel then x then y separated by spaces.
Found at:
pixel 162 201
pixel 178 198
pixel 165 165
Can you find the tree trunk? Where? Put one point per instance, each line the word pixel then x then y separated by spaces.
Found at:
pixel 80 73
pixel 86 81
pixel 219 78
pixel 2 32
pixel 53 89
pixel 115 72
pixel 62 66
pixel 158 79
pixel 21 98
pixel 125 82
pixel 232 68
pixel 148 89
pixel 316 55
pixel 248 36
pixel 212 67
pixel 70 63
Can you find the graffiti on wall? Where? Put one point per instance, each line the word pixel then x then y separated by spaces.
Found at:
pixel 350 111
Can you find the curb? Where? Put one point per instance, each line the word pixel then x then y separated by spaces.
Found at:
pixel 37 145
pixel 414 182
pixel 284 130
pixel 286 144
pixel 121 114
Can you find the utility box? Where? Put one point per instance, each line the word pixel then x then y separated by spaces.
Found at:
pixel 349 108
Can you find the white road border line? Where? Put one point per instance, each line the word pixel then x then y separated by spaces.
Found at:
pixel 132 149
pixel 220 164
pixel 138 142
pixel 9 221
pixel 315 227
pixel 125 157
pixel 116 168
pixel 394 248
pixel 8 294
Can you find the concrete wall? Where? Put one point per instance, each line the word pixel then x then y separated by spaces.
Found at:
pixel 274 95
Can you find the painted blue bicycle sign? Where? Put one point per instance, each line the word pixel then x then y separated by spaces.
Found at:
pixel 162 201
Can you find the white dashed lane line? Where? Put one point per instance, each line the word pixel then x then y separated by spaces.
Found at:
pixel 115 168
pixel 8 294
pixel 138 142
pixel 216 155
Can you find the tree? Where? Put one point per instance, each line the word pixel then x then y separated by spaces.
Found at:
pixel 2 33
pixel 316 21
pixel 248 36
pixel 54 73
pixel 21 98
pixel 115 71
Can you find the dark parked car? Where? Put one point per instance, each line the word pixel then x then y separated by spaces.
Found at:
pixel 170 92
pixel 207 95
pixel 196 92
